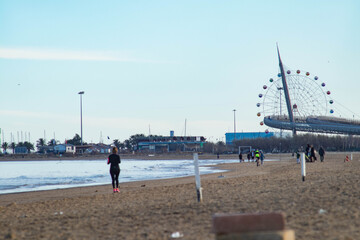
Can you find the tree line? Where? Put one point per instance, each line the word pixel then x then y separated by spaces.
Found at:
pixel 271 144
pixel 29 146
pixel 130 144
pixel 293 143
pixel 76 140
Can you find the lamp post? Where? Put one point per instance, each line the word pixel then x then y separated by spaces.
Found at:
pixel 81 93
pixel 280 89
pixel 234 127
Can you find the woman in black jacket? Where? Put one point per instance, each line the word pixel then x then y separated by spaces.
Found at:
pixel 312 154
pixel 114 161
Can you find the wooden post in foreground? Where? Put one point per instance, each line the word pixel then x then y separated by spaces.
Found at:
pixel 197 178
pixel 303 166
pixel 240 226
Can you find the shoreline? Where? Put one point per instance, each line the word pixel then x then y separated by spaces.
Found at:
pixel 272 158
pixel 165 156
pixel 225 167
pixel 213 165
pixel 105 156
pixel 221 166
pixel 21 198
pixel 185 156
pixel 325 206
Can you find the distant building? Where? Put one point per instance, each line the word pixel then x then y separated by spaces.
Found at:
pixel 45 149
pixel 171 144
pixel 98 148
pixel 80 149
pixel 21 150
pixel 64 148
pixel 246 135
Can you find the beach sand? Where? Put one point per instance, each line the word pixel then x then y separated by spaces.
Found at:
pixel 325 206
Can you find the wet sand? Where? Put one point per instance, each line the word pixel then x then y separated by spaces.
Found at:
pixel 325 206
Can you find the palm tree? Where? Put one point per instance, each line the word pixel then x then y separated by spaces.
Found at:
pixel 127 144
pixel 134 141
pixel 29 146
pixel 76 140
pixel 13 146
pixel 40 142
pixel 52 142
pixel 5 146
pixel 117 143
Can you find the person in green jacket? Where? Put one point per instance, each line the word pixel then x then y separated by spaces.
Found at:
pixel 257 156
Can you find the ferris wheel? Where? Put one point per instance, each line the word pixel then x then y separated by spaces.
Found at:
pixel 297 101
pixel 307 96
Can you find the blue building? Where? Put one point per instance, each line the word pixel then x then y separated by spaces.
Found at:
pixel 21 150
pixel 249 135
pixel 64 148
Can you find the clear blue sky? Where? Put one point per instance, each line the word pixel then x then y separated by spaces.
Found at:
pixel 157 63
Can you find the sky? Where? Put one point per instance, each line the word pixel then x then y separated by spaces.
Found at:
pixel 148 67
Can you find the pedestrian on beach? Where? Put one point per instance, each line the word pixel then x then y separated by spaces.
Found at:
pixel 253 156
pixel 114 161
pixel 297 157
pixel 240 157
pixel 307 153
pixel 262 157
pixel 321 153
pixel 257 156
pixel 248 157
pixel 312 154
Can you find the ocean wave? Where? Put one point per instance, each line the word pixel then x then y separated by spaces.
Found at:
pixel 52 175
pixel 36 182
pixel 8 187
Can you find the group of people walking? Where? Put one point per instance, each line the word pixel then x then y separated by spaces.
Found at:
pixel 253 156
pixel 310 154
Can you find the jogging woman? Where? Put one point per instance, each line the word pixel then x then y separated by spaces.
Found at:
pixel 114 161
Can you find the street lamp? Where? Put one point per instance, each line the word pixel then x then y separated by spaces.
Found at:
pixel 234 126
pixel 81 93
pixel 280 89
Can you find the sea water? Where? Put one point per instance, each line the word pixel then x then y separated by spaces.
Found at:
pixel 24 176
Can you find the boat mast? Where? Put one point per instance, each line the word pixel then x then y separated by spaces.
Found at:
pixel 185 128
pixel 286 92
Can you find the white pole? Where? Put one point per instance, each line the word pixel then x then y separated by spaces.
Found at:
pixel 303 166
pixel 197 177
pixel 351 157
pixel 185 128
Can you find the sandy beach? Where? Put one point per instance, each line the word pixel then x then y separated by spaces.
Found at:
pixel 325 206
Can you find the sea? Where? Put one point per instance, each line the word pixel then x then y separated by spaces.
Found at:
pixel 25 176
